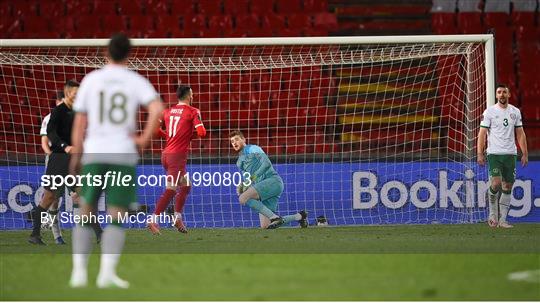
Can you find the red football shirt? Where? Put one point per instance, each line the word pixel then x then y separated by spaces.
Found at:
pixel 180 121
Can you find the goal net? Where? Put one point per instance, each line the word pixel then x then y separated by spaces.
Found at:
pixel 363 130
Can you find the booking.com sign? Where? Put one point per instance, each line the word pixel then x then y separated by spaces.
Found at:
pixel 369 191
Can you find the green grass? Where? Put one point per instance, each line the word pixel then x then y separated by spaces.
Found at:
pixel 428 262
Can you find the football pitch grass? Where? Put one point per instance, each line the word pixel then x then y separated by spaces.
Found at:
pixel 417 262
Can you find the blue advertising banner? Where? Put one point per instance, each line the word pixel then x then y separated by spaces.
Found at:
pixel 344 193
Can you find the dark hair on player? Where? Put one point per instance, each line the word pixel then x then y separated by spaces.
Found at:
pixel 59 95
pixel 503 86
pixel 183 91
pixel 119 47
pixel 71 83
pixel 236 133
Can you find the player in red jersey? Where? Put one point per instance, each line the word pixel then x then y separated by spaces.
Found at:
pixel 179 120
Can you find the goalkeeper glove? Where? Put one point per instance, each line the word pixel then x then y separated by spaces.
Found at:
pixel 201 131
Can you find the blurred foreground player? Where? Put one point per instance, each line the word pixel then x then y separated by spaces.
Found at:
pixel 106 107
pixel 180 121
pixel 265 185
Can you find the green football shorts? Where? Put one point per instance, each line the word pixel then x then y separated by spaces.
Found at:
pixel 502 166
pixel 269 191
pixel 117 194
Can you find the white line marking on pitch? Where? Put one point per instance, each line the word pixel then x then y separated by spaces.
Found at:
pixel 532 276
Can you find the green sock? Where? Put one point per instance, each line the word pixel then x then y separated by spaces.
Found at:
pixel 259 207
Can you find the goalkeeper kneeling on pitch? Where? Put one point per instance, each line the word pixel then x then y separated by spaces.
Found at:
pixel 263 193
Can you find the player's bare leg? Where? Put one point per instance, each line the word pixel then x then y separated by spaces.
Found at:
pixel 112 245
pixel 82 247
pixel 161 205
pixel 504 204
pixel 493 196
pixel 98 231
pixel 180 201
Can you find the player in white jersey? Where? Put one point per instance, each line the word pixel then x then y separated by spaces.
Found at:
pixel 107 106
pixel 502 124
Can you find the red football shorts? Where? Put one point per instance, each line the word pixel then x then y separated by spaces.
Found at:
pixel 175 165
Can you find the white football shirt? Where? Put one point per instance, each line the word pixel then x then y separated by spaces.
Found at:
pixel 111 97
pixel 501 124
pixel 43 129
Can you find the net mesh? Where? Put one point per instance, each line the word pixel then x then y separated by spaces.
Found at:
pixel 360 134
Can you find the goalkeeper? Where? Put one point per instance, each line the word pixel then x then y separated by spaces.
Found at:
pixel 266 185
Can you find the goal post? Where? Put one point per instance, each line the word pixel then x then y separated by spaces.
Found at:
pixel 363 130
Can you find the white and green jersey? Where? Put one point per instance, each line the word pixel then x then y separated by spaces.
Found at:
pixel 111 97
pixel 501 124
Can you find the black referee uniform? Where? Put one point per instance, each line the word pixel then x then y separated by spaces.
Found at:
pixel 59 133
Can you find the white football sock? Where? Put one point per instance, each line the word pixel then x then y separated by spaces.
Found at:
pixel 504 204
pixel 492 197
pixel 82 247
pixel 112 243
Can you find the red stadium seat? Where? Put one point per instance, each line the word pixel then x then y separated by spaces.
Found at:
pixel 523 19
pixel 114 23
pixel 104 7
pixel 496 20
pixel 526 34
pixel 216 119
pixel 194 23
pixel 315 32
pixel 159 8
pixel 296 116
pixel 273 21
pixel 210 7
pixel 130 7
pixel 23 8
pixel 182 8
pixel 236 7
pixel 63 25
pixel 269 117
pixel 299 21
pixel 326 21
pixel 141 23
pixel 10 25
pixel 167 23
pixel 87 24
pixel 78 8
pixel 443 23
pixel 36 24
pixel 240 118
pixel 470 23
pixel 262 7
pixel 315 6
pixel 289 6
pixel 247 22
pixel 52 9
pixel 221 22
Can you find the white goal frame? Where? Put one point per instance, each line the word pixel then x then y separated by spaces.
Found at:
pixel 487 39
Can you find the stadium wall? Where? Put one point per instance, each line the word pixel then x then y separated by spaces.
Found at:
pixel 345 193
